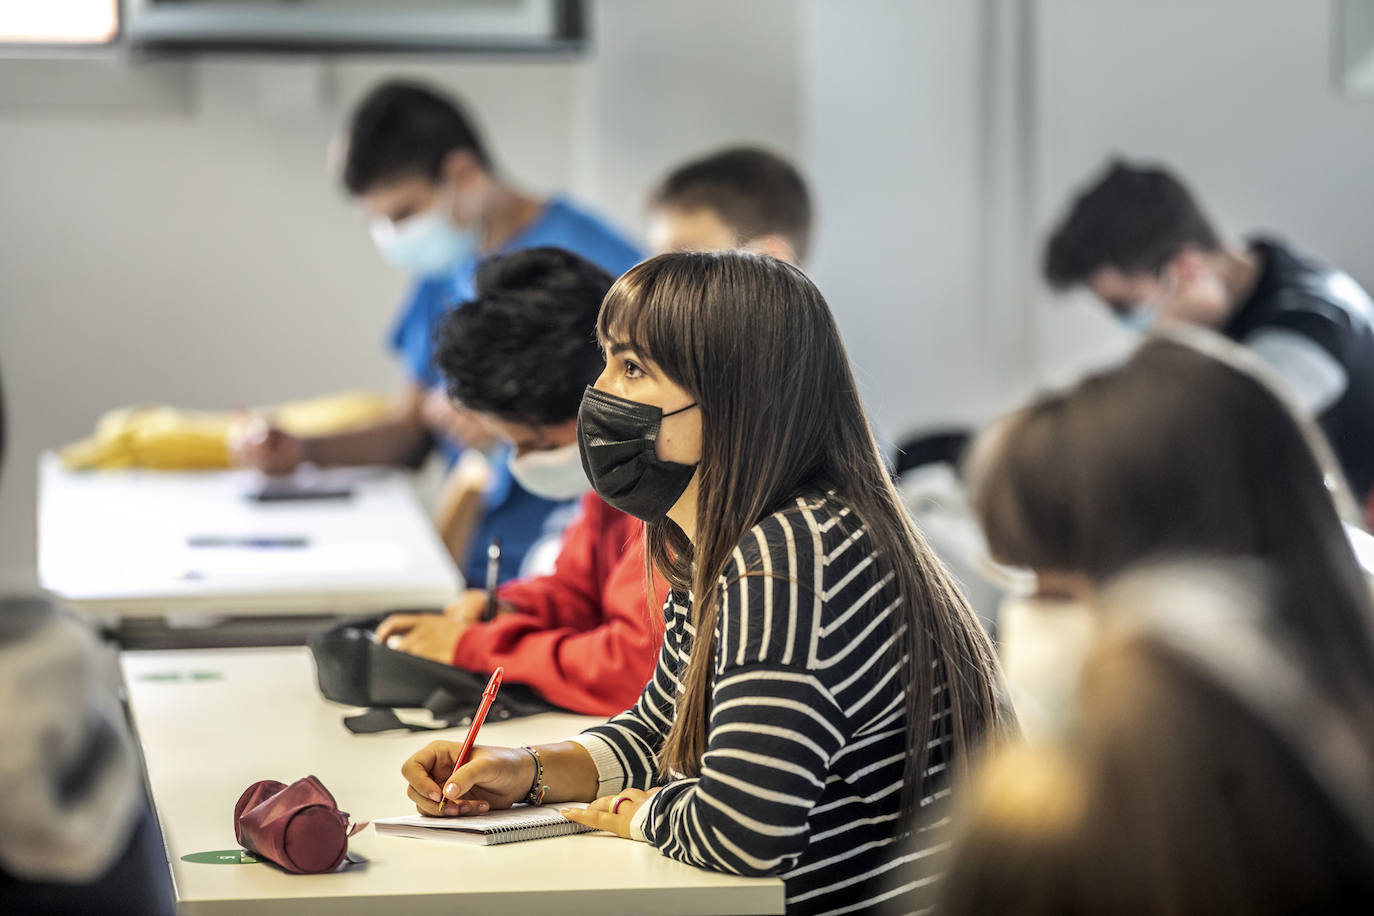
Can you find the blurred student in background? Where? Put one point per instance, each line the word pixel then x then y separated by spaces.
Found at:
pixel 520 356
pixel 739 197
pixel 1209 768
pixel 1185 451
pixel 76 835
pixel 1141 242
pixel 419 167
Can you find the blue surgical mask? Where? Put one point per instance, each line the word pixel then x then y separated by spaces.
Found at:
pixel 1141 319
pixel 424 244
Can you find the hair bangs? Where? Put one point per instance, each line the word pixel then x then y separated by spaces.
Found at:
pixel 645 310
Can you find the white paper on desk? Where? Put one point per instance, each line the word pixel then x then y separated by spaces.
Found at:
pixel 510 826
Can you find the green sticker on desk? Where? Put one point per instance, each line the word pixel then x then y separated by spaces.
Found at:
pixel 174 677
pixel 221 857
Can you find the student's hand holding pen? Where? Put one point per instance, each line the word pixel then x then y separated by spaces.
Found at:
pixel 493 777
pixel 497 777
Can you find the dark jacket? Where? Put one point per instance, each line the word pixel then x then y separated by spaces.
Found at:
pixel 1297 294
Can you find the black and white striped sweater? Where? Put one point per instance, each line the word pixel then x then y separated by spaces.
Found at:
pixel 802 775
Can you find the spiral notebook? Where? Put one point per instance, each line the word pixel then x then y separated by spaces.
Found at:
pixel 510 826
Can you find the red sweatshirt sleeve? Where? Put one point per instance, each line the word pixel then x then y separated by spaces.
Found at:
pixel 570 596
pixel 586 637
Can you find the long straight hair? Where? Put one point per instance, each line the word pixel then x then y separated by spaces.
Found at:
pixel 753 342
pixel 1186 452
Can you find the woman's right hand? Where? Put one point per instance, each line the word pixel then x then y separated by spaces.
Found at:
pixel 493 777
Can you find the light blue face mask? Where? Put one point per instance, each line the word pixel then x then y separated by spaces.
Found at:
pixel 553 474
pixel 1141 319
pixel 424 244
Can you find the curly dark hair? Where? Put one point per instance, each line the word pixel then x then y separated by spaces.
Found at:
pixel 1132 218
pixel 525 349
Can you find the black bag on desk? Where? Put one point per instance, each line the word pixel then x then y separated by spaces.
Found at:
pixel 354 667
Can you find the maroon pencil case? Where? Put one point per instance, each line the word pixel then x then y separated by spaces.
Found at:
pixel 299 827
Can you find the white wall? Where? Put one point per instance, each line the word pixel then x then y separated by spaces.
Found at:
pixel 185 245
pixel 909 118
pixel 675 79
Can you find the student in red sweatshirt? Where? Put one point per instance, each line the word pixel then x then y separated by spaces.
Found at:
pixel 520 355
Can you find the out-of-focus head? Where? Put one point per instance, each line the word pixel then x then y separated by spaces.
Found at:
pixel 406 134
pixel 1207 771
pixel 1185 452
pixel 1186 449
pixel 416 162
pixel 740 197
pixel 1138 238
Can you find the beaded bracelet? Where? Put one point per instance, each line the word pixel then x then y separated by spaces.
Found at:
pixel 535 796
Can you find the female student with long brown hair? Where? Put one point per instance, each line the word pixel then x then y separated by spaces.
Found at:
pixel 821 677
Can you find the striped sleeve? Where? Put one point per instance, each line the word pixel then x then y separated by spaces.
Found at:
pixel 775 727
pixel 772 735
pixel 625 749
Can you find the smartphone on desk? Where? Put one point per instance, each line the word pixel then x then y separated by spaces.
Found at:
pixel 289 489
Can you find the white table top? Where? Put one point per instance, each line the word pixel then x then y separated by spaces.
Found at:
pixel 256 714
pixel 115 544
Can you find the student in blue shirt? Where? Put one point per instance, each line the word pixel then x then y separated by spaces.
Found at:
pixel 419 168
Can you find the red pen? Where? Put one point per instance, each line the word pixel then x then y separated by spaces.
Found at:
pixel 478 718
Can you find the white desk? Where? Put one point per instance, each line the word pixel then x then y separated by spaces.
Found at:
pixel 261 717
pixel 115 544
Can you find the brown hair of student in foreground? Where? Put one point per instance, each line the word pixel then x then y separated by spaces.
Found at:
pixel 1205 773
pixel 1185 451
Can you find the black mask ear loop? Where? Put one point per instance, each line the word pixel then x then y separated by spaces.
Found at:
pixel 680 410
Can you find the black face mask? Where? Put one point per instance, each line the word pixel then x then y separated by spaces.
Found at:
pixel 617 438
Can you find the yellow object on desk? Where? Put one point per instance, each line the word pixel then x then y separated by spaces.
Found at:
pixel 175 439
